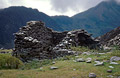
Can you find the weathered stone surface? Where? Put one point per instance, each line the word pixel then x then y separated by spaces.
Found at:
pixel 86 53
pixel 109 71
pixel 111 67
pixel 114 63
pixel 88 60
pixel 35 41
pixel 98 63
pixel 92 75
pixel 53 67
pixel 115 58
pixel 53 62
pixel 110 76
pixel 80 60
pixel 111 38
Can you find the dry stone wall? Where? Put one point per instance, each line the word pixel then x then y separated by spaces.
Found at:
pixel 36 41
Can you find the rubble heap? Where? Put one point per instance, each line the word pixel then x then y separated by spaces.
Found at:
pixel 111 38
pixel 35 41
pixel 74 38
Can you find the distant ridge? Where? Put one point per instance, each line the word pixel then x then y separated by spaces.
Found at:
pixel 12 18
pixel 97 20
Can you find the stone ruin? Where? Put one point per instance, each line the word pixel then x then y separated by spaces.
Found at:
pixel 36 41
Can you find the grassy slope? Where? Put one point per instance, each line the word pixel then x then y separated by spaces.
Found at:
pixel 65 69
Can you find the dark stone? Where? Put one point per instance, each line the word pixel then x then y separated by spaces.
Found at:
pixel 111 38
pixel 109 71
pixel 35 41
pixel 92 75
pixel 53 67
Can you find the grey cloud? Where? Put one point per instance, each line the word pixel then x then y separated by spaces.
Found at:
pixel 3 3
pixel 75 5
pixel 7 3
pixel 118 1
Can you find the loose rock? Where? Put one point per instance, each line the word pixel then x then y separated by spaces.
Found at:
pixel 53 62
pixel 99 63
pixel 114 63
pixel 53 67
pixel 86 53
pixel 109 71
pixel 92 75
pixel 80 60
pixel 111 67
pixel 89 60
pixel 115 58
pixel 110 76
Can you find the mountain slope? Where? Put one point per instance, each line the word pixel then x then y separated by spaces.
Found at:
pixel 63 21
pixel 111 38
pixel 97 20
pixel 12 18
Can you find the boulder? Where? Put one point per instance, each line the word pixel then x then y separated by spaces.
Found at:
pixel 109 71
pixel 88 60
pixel 53 67
pixel 86 53
pixel 99 63
pixel 92 75
pixel 80 60
pixel 115 58
pixel 115 63
pixel 53 62
pixel 111 67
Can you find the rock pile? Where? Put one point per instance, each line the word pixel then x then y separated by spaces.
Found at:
pixel 74 38
pixel 111 38
pixel 35 41
pixel 114 41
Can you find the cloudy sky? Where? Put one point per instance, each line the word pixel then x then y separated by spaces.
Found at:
pixel 53 7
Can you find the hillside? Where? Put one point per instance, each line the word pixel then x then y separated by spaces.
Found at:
pixel 12 18
pixel 111 38
pixel 97 20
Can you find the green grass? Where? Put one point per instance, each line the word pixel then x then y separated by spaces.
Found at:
pixel 9 62
pixel 6 50
pixel 67 68
pixel 36 64
pixel 115 53
pixel 65 71
pixel 81 49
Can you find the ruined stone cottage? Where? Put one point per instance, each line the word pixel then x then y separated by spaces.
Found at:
pixel 36 41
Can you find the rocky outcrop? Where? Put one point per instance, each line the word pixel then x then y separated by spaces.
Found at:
pixel 111 38
pixel 35 41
